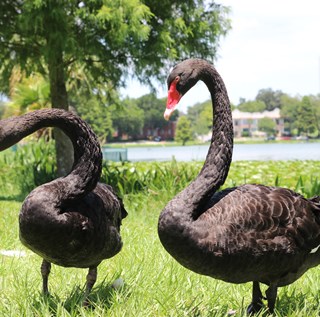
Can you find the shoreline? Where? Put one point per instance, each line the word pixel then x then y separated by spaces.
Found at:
pixel 145 143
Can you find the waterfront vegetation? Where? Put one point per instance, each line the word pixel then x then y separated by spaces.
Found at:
pixel 154 284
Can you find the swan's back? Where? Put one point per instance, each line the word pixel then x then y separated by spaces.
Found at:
pixel 265 213
pixel 81 234
pixel 262 232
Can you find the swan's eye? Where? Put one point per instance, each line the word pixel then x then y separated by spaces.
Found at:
pixel 177 79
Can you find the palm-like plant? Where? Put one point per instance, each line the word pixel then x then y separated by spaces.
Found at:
pixel 27 93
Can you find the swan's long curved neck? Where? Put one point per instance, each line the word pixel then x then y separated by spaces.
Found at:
pixel 218 160
pixel 87 153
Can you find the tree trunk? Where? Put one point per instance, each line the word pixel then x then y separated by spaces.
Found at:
pixel 59 99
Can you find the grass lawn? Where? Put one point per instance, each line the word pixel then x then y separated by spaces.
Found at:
pixel 154 284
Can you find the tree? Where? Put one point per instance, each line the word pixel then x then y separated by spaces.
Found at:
pixel 272 99
pixel 252 106
pixel 267 125
pixel 129 119
pixel 289 111
pixel 153 109
pixel 201 117
pixel 30 93
pixel 305 122
pixel 183 130
pixel 315 102
pixel 96 113
pixel 107 39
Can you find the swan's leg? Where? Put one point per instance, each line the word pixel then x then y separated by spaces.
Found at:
pixel 257 297
pixel 45 271
pixel 91 279
pixel 271 294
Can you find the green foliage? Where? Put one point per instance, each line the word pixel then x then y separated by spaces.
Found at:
pixel 300 176
pixel 107 37
pixel 103 42
pixel 96 114
pixel 305 121
pixel 200 116
pixel 153 109
pixel 30 93
pixel 34 164
pixel 301 115
pixel 131 178
pixel 272 99
pixel 28 165
pixel 267 125
pixel 183 130
pixel 289 111
pixel 128 119
pixel 126 178
pixel 252 106
pixel 245 134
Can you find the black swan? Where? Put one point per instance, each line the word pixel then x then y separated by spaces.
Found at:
pixel 73 221
pixel 247 233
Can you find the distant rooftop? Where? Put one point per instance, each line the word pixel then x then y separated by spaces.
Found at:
pixel 274 114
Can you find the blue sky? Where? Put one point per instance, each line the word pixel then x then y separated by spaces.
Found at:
pixel 273 44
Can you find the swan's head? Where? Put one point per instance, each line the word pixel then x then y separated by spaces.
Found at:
pixel 181 79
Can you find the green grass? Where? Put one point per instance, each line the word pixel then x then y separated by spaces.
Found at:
pixel 155 285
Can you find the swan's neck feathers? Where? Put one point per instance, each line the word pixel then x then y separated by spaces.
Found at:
pixel 216 166
pixel 87 153
pixel 190 203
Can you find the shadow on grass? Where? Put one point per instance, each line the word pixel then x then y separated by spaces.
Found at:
pixel 103 296
pixel 297 302
pixel 294 303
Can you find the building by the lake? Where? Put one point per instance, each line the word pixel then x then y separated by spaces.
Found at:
pixel 246 123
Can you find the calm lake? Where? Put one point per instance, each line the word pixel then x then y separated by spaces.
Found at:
pixel 262 152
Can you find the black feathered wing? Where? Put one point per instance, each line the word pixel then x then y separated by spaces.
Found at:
pixel 257 218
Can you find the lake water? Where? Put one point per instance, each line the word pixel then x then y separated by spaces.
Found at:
pixel 262 152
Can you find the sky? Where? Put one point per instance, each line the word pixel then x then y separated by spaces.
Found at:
pixel 272 44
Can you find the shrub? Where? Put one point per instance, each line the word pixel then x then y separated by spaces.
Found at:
pixel 29 165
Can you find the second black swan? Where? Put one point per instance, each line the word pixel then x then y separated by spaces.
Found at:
pixel 247 233
pixel 73 221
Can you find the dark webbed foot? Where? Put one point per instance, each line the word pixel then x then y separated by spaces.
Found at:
pixel 45 271
pixel 254 308
pixel 256 304
pixel 91 279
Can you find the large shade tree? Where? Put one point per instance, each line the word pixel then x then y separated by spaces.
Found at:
pixel 271 98
pixel 107 39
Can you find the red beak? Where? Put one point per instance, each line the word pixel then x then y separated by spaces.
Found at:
pixel 173 99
